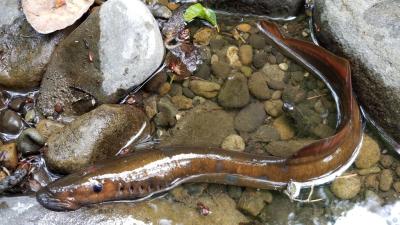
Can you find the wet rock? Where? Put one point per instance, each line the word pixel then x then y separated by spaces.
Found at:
pixel 48 127
pixel 369 153
pixel 197 100
pixel 234 93
pixel 204 125
pixel 265 133
pixel 276 95
pixel 217 43
pixel 160 11
pixel 9 156
pixel 286 149
pixel 17 103
pixel 203 36
pixel 232 54
pixel 386 160
pixel 385 180
pixel 371 181
pixel 293 94
pixel 246 54
pixel 182 102
pixel 283 66
pixel 95 136
pixel 371 170
pixel 247 71
pixel 244 27
pixel 285 130
pixel 176 90
pixel 164 89
pixel 158 211
pixel 233 142
pixel 24 52
pixel 346 187
pixel 155 83
pixel 30 141
pixel 258 86
pixel 257 41
pixel 396 186
pixel 203 71
pixel 188 93
pixel 372 50
pixel 119 45
pixel 250 118
pixel 260 59
pixel 253 201
pixel 273 107
pixel 167 113
pixel 273 72
pixel 205 89
pixel 10 122
pixel 221 69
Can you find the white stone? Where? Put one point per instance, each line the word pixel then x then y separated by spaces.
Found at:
pixel 131 46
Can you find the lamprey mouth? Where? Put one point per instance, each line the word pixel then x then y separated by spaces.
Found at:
pixel 47 199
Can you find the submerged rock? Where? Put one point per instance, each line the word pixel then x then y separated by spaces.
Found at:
pixel 253 201
pixel 370 153
pixel 234 93
pixel 250 118
pixel 94 136
pixel 367 33
pixel 24 53
pixel 109 53
pixel 26 210
pixel 347 186
pixel 204 125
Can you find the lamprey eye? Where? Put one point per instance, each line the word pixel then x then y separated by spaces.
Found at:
pixel 97 187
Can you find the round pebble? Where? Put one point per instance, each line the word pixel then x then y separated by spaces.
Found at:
pixel 246 54
pixel 30 141
pixel 386 161
pixel 369 154
pixel 244 27
pixel 233 142
pixel 346 187
pixel 164 88
pixel 257 41
pixel 9 156
pixel 206 89
pixel 396 186
pixel 385 180
pixel 283 66
pixel 10 122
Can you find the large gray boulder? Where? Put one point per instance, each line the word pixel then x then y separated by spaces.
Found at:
pixel 116 48
pixel 24 53
pixel 368 34
pixel 95 136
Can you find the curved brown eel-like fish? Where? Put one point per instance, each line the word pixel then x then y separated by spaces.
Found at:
pixel 142 174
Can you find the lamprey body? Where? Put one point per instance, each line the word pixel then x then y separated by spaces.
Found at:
pixel 145 173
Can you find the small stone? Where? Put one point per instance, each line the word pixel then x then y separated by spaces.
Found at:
pixel 166 116
pixel 30 115
pixel 58 108
pixel 233 142
pixel 48 127
pixel 276 85
pixel 172 6
pixel 246 54
pixel 371 181
pixel 232 54
pixel 257 41
pixel 182 102
pixel 203 36
pixel 164 88
pixel 293 94
pixel 283 66
pixel 244 27
pixel 259 59
pixel 188 93
pixel 369 153
pixel 253 201
pixel 17 103
pixel 9 156
pixel 234 93
pixel 282 125
pixel 30 141
pixel 220 69
pixel 371 170
pixel 197 100
pixel 247 71
pixel 271 59
pixel 265 133
pixel 276 95
pixel 274 107
pixel 346 187
pixel 150 106
pixel 250 118
pixel 273 72
pixel 286 149
pixel 176 89
pixel 386 160
pixel 203 71
pixel 396 186
pixel 10 122
pixel 217 44
pixel 258 86
pixel 206 89
pixel 3 175
pixel 385 180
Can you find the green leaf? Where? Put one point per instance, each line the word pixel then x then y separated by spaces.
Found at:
pixel 199 11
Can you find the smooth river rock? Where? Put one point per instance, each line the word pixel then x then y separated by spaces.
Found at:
pixel 24 53
pixel 368 34
pixel 25 210
pixel 94 136
pixel 115 49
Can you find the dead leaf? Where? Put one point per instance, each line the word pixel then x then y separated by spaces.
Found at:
pixel 47 16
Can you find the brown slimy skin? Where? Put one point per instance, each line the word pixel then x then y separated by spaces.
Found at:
pixel 142 174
